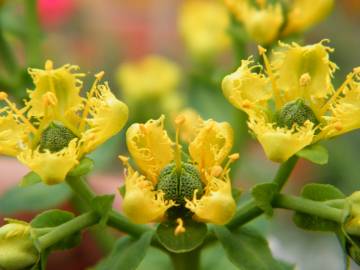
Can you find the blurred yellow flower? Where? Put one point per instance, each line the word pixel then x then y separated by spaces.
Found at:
pixel 200 184
pixel 203 25
pixel 294 103
pixel 303 14
pixel 266 21
pixel 57 127
pixel 151 76
pixel 152 80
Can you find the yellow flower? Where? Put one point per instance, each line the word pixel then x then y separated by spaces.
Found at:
pixel 265 21
pixel 303 14
pixel 57 126
pixel 17 250
pixel 294 103
pixel 203 25
pixel 152 76
pixel 152 80
pixel 200 184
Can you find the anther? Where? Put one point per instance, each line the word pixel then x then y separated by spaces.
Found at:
pixel 49 65
pixel 305 80
pixel 180 227
pixel 3 95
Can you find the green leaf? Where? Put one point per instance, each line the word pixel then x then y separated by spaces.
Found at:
pixel 84 167
pixel 33 198
pixel 127 253
pixel 53 218
pixel 102 205
pixel 30 179
pixel 318 192
pixel 122 191
pixel 236 193
pixel 315 153
pixel 193 237
pixel 321 192
pixel 247 249
pixel 263 195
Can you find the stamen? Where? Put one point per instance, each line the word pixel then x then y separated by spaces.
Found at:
pixel 126 163
pixel 277 96
pixel 180 227
pixel 12 106
pixel 338 92
pixel 49 65
pixel 305 80
pixel 216 170
pixel 231 158
pixel 49 99
pixel 86 110
pixel 178 122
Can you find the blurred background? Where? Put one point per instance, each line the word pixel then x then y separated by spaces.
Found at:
pixel 154 64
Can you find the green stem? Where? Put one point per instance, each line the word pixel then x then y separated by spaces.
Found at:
pixel 186 261
pixel 248 211
pixel 116 220
pixel 64 230
pixel 316 208
pixel 32 48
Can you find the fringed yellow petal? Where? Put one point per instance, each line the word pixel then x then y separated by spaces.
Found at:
pixel 212 144
pixel 217 205
pixel 63 82
pixel 281 143
pixel 107 117
pixel 141 80
pixel 13 135
pixel 305 13
pixel 304 72
pixel 191 124
pixel 345 112
pixel 263 24
pixel 206 35
pixel 51 167
pixel 142 204
pixel 243 88
pixel 150 147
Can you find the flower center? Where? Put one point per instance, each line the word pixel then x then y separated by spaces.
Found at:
pixel 295 112
pixel 178 185
pixel 55 137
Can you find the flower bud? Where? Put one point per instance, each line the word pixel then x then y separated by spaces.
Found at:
pixel 180 185
pixel 17 250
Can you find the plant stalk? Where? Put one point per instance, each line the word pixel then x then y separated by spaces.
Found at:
pixel 115 220
pixel 249 211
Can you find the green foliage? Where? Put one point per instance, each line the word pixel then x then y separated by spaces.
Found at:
pixel 247 249
pixel 263 195
pixel 30 179
pixel 315 153
pixel 54 218
pixel 33 198
pixel 85 166
pixel 127 253
pixel 318 192
pixel 103 205
pixel 193 237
